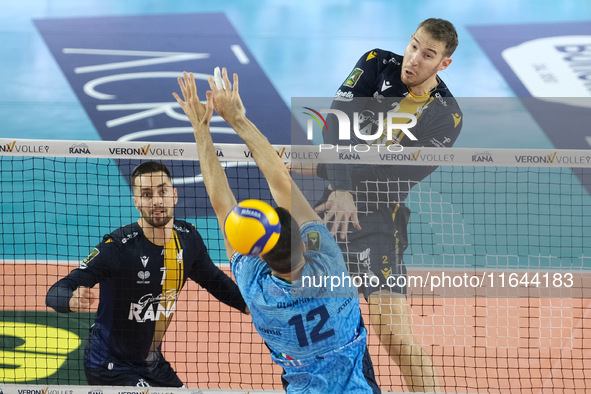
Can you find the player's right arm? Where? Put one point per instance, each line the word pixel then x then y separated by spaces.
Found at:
pixel 75 292
pixel 340 205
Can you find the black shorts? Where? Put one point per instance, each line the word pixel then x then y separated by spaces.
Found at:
pixel 375 253
pixel 158 374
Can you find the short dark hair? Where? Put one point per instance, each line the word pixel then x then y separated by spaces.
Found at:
pixel 441 30
pixel 149 167
pixel 279 259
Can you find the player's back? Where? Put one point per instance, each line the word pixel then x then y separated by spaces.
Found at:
pixel 312 327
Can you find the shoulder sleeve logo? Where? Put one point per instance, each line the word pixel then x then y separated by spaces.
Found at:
pixel 371 55
pixel 352 79
pixel 313 240
pixel 457 119
pixel 93 253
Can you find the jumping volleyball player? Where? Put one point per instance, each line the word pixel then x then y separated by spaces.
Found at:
pixel 320 342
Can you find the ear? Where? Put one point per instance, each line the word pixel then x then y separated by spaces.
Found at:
pixel 303 247
pixel 176 195
pixel 444 63
pixel 136 203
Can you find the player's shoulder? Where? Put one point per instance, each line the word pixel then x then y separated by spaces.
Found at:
pixel 380 58
pixel 183 227
pixel 187 232
pixel 445 100
pixel 123 235
pixel 315 235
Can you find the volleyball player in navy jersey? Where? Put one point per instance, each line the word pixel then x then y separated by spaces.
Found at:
pixel 141 269
pixel 364 205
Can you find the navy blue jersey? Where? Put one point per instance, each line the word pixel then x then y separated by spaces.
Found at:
pixel 139 287
pixel 374 86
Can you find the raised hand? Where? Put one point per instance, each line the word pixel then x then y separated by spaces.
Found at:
pixel 198 113
pixel 227 101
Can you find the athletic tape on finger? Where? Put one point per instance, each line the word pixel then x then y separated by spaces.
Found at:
pixel 217 78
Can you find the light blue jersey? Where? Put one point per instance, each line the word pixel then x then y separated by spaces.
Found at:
pixel 319 339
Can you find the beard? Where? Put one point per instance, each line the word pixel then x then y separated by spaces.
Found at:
pixel 157 222
pixel 417 79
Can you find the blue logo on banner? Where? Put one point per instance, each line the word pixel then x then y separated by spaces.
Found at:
pixel 548 66
pixel 124 70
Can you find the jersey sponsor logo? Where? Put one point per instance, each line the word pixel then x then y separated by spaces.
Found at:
pixel 313 240
pixel 181 229
pixel 457 118
pixel 179 256
pixel 268 331
pixel 344 305
pixel 440 98
pixel 129 236
pixel 343 96
pixel 436 142
pixel 153 308
pixel 371 55
pixel 93 253
pixel 143 383
pixel 391 60
pixel 143 275
pixel 144 260
pixel 352 79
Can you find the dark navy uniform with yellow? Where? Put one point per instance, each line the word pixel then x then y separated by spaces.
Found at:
pixel 373 87
pixel 139 287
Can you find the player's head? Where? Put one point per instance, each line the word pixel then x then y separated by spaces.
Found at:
pixel 429 51
pixel 443 31
pixel 153 193
pixel 289 246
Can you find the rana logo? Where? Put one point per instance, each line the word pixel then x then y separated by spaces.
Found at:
pixel 344 124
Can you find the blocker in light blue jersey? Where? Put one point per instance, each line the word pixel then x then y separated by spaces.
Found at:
pixel 319 338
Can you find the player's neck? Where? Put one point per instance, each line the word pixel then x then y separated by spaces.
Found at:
pixel 156 235
pixel 293 275
pixel 425 88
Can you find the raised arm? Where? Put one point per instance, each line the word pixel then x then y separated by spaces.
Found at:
pixel 214 177
pixel 286 194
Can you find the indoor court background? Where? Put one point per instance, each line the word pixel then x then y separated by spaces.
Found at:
pixel 302 49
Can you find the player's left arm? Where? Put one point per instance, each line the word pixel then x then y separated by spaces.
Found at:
pixel 286 193
pixel 215 180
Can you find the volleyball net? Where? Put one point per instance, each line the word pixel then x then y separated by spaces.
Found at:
pixel 498 260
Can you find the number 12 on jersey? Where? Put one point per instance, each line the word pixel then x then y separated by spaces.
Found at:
pixel 315 334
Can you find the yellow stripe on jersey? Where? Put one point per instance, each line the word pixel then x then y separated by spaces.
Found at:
pixel 410 105
pixel 172 284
